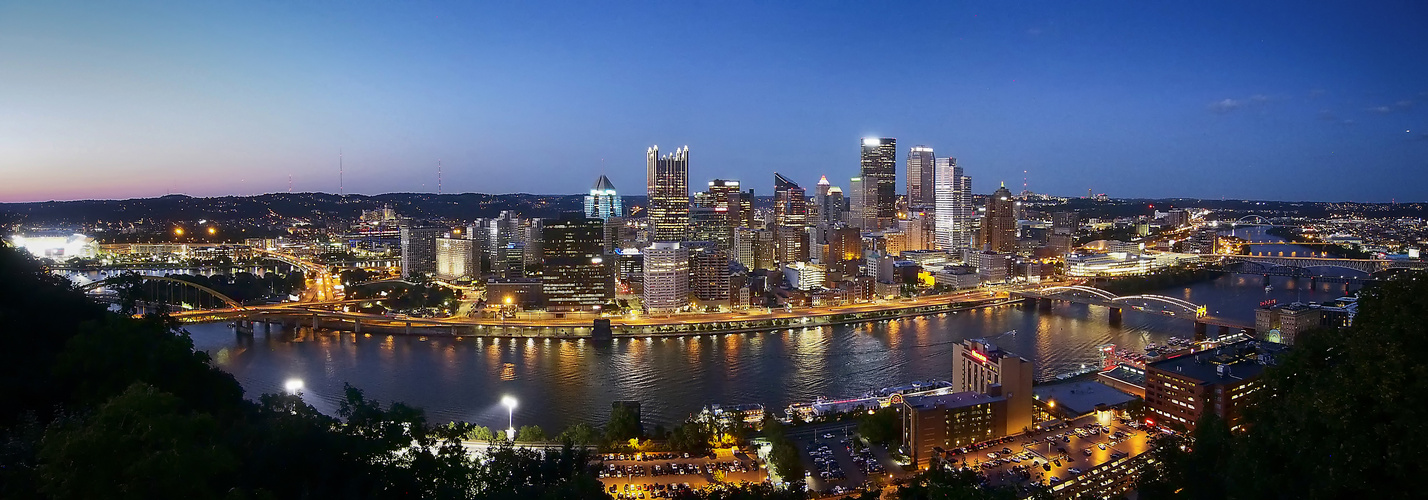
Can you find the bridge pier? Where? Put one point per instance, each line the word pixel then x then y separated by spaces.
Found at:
pixel 357 325
pixel 1043 304
pixel 314 322
pixel 267 327
pixel 1029 301
pixel 409 328
pixel 243 327
pixel 1115 315
pixel 1199 331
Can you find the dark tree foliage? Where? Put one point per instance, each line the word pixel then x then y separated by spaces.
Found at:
pixel 623 425
pixel 1340 416
pixel 940 483
pixel 882 426
pixel 101 405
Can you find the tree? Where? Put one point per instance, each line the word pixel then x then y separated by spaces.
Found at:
pixel 530 434
pixel 623 424
pixel 883 426
pixel 140 444
pixel 579 435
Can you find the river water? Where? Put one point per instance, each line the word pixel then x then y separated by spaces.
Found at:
pixel 561 382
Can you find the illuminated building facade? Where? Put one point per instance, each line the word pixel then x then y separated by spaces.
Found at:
pixel 456 258
pixel 666 277
pixel 603 202
pixel 979 365
pixel 920 178
pixel 576 276
pixel 1179 390
pixel 999 226
pixel 949 421
pixel 879 175
pixel 419 249
pixel 953 199
pixel 667 177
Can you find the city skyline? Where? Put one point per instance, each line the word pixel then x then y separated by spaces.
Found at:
pixel 106 101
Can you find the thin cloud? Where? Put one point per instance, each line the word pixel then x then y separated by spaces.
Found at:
pixel 1404 104
pixel 1225 106
pixel 1327 115
pixel 1383 110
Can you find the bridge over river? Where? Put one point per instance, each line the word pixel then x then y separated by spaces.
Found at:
pixel 1146 303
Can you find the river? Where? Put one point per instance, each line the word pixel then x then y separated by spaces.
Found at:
pixel 561 382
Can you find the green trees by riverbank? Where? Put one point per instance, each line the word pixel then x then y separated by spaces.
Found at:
pixel 1340 416
pixel 1166 278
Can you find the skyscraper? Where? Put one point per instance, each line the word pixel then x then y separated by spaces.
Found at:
pixel 457 258
pixel 820 201
pixel 790 202
pixel 575 277
pixel 790 216
pixel 668 180
pixel 920 178
pixel 879 173
pixel 419 249
pixel 999 227
pixel 954 205
pixel 602 202
pixel 666 277
pixel 857 205
pixel 832 209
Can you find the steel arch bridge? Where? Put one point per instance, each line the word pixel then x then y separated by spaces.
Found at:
pixel 1252 220
pixel 232 304
pixel 1110 299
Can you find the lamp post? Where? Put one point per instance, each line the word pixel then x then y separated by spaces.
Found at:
pixel 510 404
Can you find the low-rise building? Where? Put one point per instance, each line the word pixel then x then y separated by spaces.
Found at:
pixel 949 421
pixel 1284 323
pixel 1180 390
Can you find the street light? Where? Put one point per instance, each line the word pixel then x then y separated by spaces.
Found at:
pixel 510 404
pixel 293 386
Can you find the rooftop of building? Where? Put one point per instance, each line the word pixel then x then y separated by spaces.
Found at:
pixel 1080 398
pixel 1241 360
pixel 1133 376
pixel 954 400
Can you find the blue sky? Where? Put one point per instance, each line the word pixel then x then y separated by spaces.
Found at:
pixel 1281 100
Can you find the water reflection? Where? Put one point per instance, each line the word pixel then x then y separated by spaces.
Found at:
pixel 560 382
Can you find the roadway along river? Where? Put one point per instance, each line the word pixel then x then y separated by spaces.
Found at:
pixel 563 382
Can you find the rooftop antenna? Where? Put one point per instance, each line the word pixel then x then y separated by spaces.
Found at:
pixel 290 183
pixel 1023 181
pixel 438 176
pixel 341 191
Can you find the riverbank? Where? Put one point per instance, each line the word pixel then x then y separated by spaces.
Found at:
pixel 659 327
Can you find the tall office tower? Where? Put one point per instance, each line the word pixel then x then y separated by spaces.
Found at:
pixel 533 240
pixel 879 173
pixel 820 201
pixel 709 267
pixel 954 206
pixel 419 249
pixel 576 277
pixel 456 258
pixel 504 230
pixel 726 197
pixel 602 202
pixel 790 203
pixel 480 246
pixel 832 209
pixel 511 260
pixel 999 226
pixel 790 216
pixel 666 277
pixel 1067 222
pixel 920 178
pixel 668 180
pixel 743 251
pixel 746 208
pixel 857 206
pixel 920 232
pixel 979 365
pixel 709 223
pixel 763 249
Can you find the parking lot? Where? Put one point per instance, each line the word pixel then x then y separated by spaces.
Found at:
pixel 832 464
pixel 660 474
pixel 1059 454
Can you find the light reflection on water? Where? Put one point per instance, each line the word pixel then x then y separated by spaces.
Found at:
pixel 560 382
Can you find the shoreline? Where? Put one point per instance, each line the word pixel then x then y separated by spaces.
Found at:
pixel 415 327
